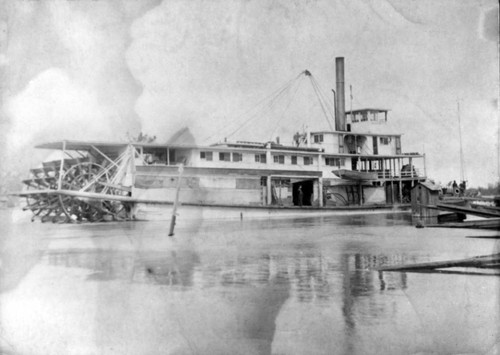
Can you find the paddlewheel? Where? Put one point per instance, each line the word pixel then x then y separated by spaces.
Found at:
pixel 39 185
pixel 57 191
pixel 94 178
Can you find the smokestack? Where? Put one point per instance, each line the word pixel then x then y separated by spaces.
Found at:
pixel 340 97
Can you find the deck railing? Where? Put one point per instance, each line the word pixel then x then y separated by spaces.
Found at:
pixel 387 174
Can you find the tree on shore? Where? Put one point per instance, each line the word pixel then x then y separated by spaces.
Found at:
pixel 141 138
pixel 491 189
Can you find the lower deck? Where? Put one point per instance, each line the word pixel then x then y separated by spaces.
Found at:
pixel 264 188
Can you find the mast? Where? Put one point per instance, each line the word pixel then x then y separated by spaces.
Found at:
pixel 462 174
pixel 350 88
pixel 340 104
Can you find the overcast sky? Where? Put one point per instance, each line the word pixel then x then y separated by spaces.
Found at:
pixel 98 69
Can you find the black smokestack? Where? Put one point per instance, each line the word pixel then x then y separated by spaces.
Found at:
pixel 340 97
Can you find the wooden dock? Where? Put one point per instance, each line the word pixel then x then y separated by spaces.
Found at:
pixel 482 262
pixel 490 223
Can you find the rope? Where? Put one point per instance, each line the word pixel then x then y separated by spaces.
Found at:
pixel 321 99
pixel 267 104
pixel 283 112
pixel 259 108
pixel 271 103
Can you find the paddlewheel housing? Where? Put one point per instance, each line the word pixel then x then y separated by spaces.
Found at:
pixel 82 186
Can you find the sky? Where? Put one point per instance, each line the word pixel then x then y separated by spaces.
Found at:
pixel 103 69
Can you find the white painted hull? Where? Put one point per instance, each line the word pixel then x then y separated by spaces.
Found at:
pixel 148 212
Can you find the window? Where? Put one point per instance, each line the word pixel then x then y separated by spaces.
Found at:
pixel 385 140
pixel 364 116
pixel 354 117
pixel 335 161
pixel 237 157
pixel 294 160
pixel 374 116
pixel 224 156
pixel 318 138
pixel 341 144
pixel 308 160
pixel 208 156
pixel 398 145
pixel 260 158
pixel 279 159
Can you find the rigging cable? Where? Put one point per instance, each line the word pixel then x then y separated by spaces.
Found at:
pixel 321 99
pixel 284 110
pixel 259 108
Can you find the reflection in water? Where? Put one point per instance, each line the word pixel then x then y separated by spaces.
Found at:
pixel 294 286
pixel 311 275
pixel 162 268
pixel 305 276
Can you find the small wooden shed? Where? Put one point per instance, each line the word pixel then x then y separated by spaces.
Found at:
pixel 424 194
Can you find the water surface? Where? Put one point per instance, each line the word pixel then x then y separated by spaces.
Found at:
pixel 288 286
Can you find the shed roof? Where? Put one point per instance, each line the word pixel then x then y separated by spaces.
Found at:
pixel 361 110
pixel 429 185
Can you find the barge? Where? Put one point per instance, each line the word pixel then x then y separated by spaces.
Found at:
pixel 356 166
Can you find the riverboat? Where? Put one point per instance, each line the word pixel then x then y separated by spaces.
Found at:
pixel 355 166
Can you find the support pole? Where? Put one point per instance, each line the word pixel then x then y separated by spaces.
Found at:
pixel 176 201
pixel 425 168
pixel 400 181
pixel 320 191
pixel 411 172
pixel 391 163
pixel 269 191
pixel 61 168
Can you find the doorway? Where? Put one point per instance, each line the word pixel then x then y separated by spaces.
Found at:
pixel 307 187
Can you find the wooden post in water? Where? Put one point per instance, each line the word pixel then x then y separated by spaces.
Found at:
pixel 61 168
pixel 176 201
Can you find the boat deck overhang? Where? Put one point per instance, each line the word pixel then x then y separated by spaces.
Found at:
pixel 108 147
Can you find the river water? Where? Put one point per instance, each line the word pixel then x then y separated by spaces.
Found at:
pixel 284 286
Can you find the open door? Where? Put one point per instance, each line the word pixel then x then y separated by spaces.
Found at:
pixel 303 193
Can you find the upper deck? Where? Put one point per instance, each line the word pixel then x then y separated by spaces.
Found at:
pixel 270 158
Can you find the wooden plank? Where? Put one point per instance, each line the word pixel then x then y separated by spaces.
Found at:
pixel 118 187
pixel 481 198
pixel 484 261
pixel 460 209
pixel 484 236
pixel 492 209
pixel 490 223
pixel 33 193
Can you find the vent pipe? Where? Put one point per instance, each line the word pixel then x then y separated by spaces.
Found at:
pixel 340 95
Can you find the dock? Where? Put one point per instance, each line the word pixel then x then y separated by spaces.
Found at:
pixel 491 262
pixel 430 208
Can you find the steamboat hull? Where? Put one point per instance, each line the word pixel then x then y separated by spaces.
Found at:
pixel 188 214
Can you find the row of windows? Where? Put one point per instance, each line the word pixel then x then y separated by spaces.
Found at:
pixel 280 159
pixel 385 140
pixel 223 156
pixel 372 116
pixel 335 161
pixel 277 159
pixel 318 138
pixel 260 158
